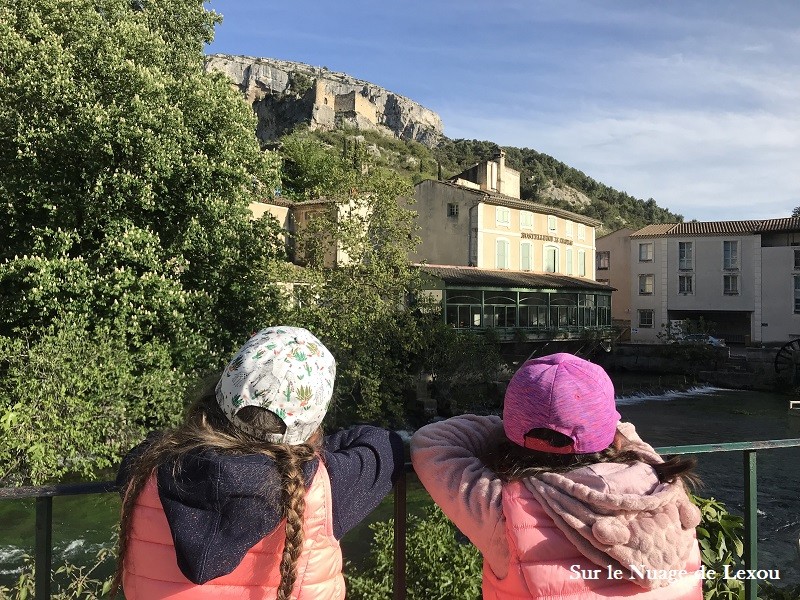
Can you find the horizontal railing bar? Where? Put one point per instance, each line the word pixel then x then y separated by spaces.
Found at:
pixel 61 489
pixel 100 487
pixel 729 447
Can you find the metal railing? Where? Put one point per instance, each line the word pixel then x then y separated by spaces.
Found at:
pixel 44 513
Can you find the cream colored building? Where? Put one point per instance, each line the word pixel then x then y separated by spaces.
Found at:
pixel 742 277
pixel 613 267
pixel 497 261
pixel 295 217
pixel 477 219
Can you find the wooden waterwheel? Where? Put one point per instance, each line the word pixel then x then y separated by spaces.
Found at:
pixel 787 356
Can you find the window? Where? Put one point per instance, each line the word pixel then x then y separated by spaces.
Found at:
pixel 730 251
pixel 452 210
pixel 730 285
pixel 685 262
pixel 646 285
pixel 581 263
pixel 569 261
pixel 603 260
pixel 797 258
pixel 568 227
pixel 646 318
pixel 550 259
pixel 503 215
pixel 685 284
pixel 603 281
pixel 502 254
pixel 581 232
pixel 526 219
pixel 525 256
pixel 797 294
pixel 551 223
pixel 646 252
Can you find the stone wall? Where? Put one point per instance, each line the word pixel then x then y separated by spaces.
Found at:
pixel 747 368
pixel 284 94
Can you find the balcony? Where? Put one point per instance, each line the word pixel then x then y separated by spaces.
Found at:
pixel 749 450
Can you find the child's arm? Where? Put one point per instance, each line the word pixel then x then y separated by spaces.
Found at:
pixel 363 462
pixel 446 459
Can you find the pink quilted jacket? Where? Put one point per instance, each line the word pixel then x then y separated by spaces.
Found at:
pixel 606 531
pixel 152 572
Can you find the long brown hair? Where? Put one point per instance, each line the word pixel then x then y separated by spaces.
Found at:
pixel 512 462
pixel 206 426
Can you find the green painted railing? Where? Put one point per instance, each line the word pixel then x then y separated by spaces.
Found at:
pixel 44 513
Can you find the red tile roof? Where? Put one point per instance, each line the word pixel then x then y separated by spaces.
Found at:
pixel 696 228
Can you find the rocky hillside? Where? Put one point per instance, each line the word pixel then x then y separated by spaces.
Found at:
pixel 285 93
pixel 402 135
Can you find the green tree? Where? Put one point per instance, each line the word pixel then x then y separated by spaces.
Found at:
pixel 125 173
pixel 357 306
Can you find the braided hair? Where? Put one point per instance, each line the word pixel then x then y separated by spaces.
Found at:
pixel 206 426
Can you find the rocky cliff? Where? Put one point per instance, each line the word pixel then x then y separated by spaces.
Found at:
pixel 285 93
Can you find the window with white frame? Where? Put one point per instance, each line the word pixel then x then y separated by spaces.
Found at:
pixel 646 252
pixel 730 252
pixel 568 228
pixel 503 216
pixel 797 294
pixel 550 259
pixel 646 285
pixel 581 232
pixel 646 318
pixel 569 261
pixel 551 223
pixel 686 284
pixel 730 285
pixel 526 219
pixel 685 260
pixel 525 256
pixel 581 263
pixel 603 260
pixel 502 253
pixel 452 210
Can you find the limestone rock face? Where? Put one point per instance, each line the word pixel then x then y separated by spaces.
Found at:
pixel 284 93
pixel 575 198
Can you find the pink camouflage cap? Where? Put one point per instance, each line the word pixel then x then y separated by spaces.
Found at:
pixel 566 394
pixel 285 370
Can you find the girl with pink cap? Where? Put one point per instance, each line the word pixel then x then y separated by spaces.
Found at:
pixel 562 499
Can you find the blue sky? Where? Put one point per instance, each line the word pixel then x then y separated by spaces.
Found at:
pixel 695 104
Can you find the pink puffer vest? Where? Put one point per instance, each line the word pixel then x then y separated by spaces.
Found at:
pixel 152 573
pixel 545 564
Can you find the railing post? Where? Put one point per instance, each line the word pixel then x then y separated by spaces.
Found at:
pixel 750 522
pixel 44 546
pixel 399 587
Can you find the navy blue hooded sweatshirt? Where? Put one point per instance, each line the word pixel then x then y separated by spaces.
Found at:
pixel 219 506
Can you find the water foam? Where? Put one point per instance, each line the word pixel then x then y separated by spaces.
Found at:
pixel 664 396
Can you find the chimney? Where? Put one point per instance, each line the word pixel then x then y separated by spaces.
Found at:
pixel 500 158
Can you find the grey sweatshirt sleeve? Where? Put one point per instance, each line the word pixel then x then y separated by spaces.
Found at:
pixel 363 463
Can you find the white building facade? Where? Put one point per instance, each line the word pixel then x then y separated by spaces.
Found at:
pixel 741 277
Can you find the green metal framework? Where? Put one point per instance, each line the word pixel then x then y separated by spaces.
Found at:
pixel 44 512
pixel 526 309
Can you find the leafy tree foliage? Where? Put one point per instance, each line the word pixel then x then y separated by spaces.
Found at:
pixel 356 305
pixel 125 175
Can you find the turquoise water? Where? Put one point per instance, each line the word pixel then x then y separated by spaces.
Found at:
pixel 82 525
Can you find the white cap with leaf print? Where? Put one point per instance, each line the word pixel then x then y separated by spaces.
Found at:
pixel 285 370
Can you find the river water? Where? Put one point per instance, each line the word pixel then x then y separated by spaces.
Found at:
pixel 83 525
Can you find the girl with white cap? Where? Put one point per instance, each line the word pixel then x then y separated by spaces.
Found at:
pixel 562 499
pixel 247 499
